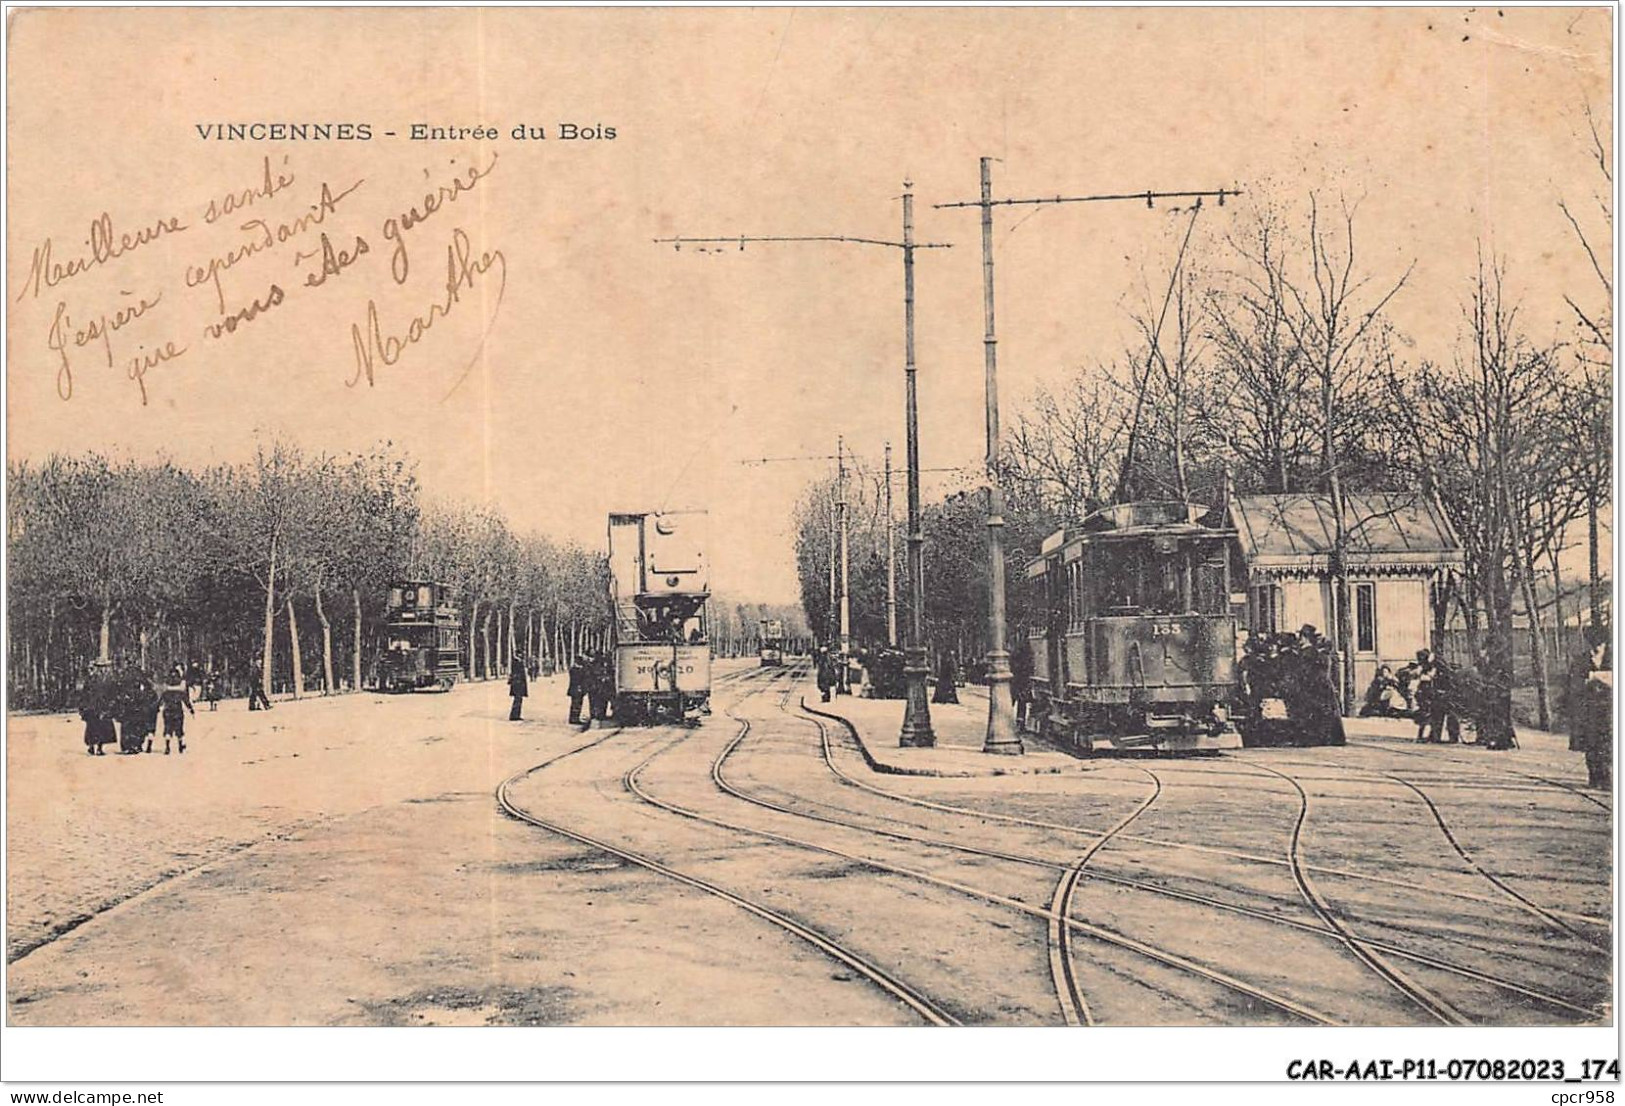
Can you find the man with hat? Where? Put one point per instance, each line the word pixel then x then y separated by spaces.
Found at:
pixel 518 686
pixel 1591 708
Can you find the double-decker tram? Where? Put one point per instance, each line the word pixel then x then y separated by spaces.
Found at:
pixel 658 589
pixel 1136 643
pixel 772 639
pixel 423 647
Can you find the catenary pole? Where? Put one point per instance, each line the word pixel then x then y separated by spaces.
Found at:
pixel 1001 736
pixel 891 560
pixel 916 730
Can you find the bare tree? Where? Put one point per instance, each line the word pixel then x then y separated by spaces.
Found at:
pixel 1479 426
pixel 1588 408
pixel 1335 318
pixel 1262 375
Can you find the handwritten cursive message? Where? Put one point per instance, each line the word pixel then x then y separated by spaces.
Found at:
pixel 134 298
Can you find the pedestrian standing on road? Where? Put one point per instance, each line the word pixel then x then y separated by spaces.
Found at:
pixel 211 689
pixel 826 673
pixel 96 708
pixel 1319 703
pixel 518 687
pixel 256 689
pixel 946 675
pixel 1021 680
pixel 194 681
pixel 578 688
pixel 1591 709
pixel 1437 701
pixel 137 711
pixel 600 685
pixel 176 702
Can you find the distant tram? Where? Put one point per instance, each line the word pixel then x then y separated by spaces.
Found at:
pixel 424 645
pixel 772 638
pixel 658 588
pixel 1136 647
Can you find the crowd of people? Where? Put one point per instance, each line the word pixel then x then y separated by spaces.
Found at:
pixel 124 706
pixel 1293 670
pixel 592 683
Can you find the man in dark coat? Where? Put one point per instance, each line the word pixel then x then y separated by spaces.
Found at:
pixel 1591 709
pixel 600 685
pixel 1021 680
pixel 518 687
pixel 578 688
pixel 946 676
pixel 827 679
pixel 1437 701
pixel 256 689
pixel 96 708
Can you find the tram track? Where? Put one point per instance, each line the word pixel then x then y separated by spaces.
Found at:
pixel 1163 956
pixel 1522 901
pixel 1490 773
pixel 1435 1006
pixel 1319 929
pixel 929 1011
pixel 1184 846
pixel 1070 876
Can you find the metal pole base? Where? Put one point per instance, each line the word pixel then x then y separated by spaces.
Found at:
pixel 916 732
pixel 1002 738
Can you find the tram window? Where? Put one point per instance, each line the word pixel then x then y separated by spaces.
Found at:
pixel 1163 593
pixel 1212 596
pixel 424 599
pixel 394 597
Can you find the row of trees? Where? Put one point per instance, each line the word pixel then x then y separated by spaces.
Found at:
pixel 1266 357
pixel 280 561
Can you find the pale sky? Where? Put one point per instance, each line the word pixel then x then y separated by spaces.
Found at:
pixel 621 375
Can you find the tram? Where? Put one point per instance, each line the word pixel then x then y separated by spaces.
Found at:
pixel 659 587
pixel 772 639
pixel 423 649
pixel 1135 647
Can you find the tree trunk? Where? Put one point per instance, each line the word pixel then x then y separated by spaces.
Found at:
pixel 473 639
pixel 1597 593
pixel 266 654
pixel 485 633
pixel 355 660
pixel 293 643
pixel 327 644
pixel 1499 654
pixel 104 642
pixel 1560 630
pixel 1537 642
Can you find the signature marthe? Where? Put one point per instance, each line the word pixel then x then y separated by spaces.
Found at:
pixel 465 272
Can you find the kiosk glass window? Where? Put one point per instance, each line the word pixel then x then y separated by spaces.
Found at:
pixel 1365 618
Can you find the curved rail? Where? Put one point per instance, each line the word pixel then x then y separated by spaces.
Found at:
pixel 1073 1006
pixel 1187 846
pixel 1524 903
pixel 1490 773
pixel 1318 929
pixel 1289 1006
pixel 921 1005
pixel 1435 1006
